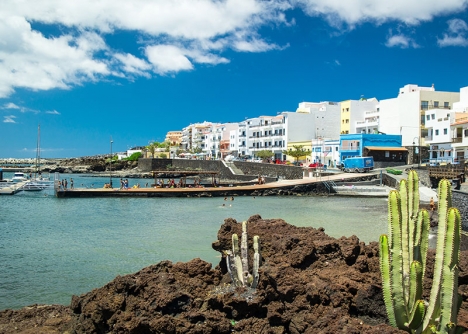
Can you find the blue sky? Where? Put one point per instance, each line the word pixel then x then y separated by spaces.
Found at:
pixel 90 70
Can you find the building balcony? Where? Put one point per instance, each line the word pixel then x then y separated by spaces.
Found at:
pixel 349 148
pixel 457 140
pixel 431 106
pixel 363 124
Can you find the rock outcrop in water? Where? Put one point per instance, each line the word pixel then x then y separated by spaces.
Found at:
pixel 309 283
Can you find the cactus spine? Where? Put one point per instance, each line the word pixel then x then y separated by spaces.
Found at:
pixel 238 260
pixel 403 261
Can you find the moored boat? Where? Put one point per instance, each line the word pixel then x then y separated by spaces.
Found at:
pixel 19 177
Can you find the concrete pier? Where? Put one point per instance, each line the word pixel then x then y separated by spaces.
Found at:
pixel 282 187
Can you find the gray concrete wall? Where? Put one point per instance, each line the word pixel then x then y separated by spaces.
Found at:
pixel 270 170
pixel 250 169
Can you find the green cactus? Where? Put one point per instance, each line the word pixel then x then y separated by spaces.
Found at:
pixel 238 261
pixel 403 261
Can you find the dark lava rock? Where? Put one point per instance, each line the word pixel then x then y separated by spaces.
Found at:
pixel 309 283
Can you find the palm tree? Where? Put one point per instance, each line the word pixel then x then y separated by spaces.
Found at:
pixel 298 152
pixel 152 148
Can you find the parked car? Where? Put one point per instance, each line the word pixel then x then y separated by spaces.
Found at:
pixel 316 165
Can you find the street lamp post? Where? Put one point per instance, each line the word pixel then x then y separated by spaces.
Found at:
pixel 419 150
pixel 110 163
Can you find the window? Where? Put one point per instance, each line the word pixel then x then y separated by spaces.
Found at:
pixel 445 131
pixel 466 132
pixel 432 116
pixel 424 105
pixel 436 132
pixel 436 104
pixel 428 117
pixel 446 105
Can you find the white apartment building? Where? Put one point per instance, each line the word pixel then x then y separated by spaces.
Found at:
pixel 212 138
pixel 459 128
pixel 197 136
pixel 360 116
pixel 439 137
pixel 262 133
pixel 217 140
pixel 326 118
pixel 275 132
pixel 326 152
pixel 405 114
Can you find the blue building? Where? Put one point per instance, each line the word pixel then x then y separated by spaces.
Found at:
pixel 383 148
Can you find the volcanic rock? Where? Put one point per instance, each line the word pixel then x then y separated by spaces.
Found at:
pixel 309 283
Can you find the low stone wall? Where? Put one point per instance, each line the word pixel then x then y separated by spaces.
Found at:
pixel 270 170
pixel 250 169
pixel 385 164
pixel 460 201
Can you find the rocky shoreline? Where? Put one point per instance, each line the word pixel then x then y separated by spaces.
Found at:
pixel 309 283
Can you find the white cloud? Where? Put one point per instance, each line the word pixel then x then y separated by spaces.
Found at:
pixel 73 45
pixel 10 105
pixel 133 65
pixel 52 112
pixel 457 34
pixel 9 119
pixel 30 60
pixel 401 41
pixel 353 12
pixel 168 58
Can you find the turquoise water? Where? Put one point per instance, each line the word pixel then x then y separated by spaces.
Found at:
pixel 53 248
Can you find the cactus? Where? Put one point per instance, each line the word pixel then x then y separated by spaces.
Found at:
pixel 403 261
pixel 238 261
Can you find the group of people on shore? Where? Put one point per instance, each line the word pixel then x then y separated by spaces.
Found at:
pixel 171 183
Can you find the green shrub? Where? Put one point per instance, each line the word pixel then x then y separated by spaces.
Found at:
pixel 134 157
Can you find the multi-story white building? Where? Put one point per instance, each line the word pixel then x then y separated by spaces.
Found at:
pixel 212 138
pixel 459 128
pixel 326 118
pixel 359 116
pixel 197 136
pixel 405 114
pixel 217 140
pixel 273 133
pixel 439 137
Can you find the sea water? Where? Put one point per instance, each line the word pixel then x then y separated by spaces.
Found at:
pixel 53 248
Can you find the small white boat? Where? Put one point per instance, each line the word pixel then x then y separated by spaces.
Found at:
pixel 19 177
pixel 36 186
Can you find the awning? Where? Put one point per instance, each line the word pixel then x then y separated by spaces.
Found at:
pixel 384 148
